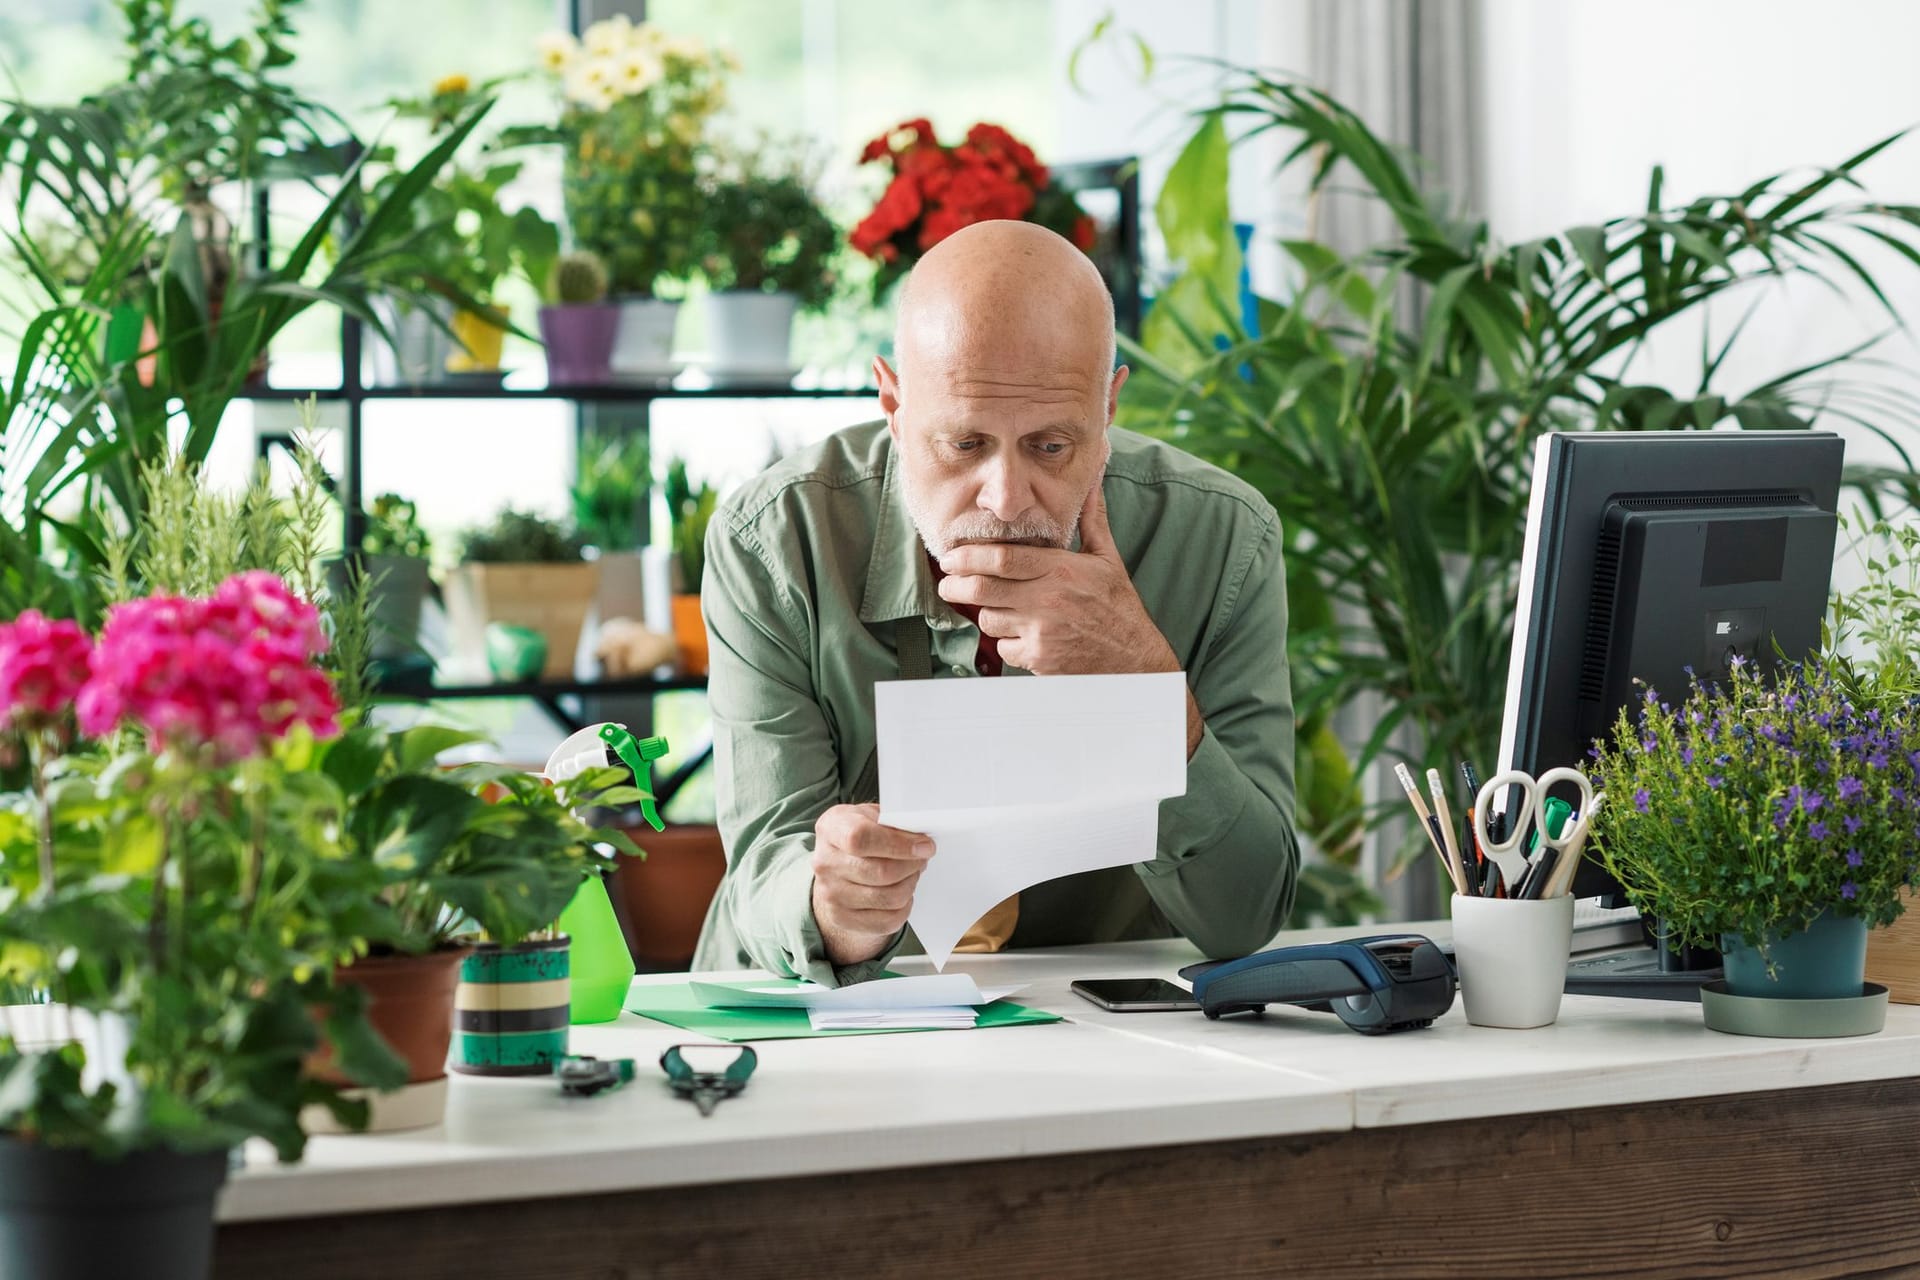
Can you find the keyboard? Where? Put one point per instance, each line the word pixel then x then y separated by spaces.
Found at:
pixel 1635 974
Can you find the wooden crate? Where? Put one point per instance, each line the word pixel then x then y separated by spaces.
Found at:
pixel 1893 955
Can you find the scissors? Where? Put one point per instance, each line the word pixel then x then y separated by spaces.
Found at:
pixel 1507 854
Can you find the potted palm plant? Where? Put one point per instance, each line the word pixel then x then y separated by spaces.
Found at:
pixel 167 883
pixel 577 325
pixel 614 475
pixel 635 102
pixel 767 250
pixel 690 508
pixel 1388 406
pixel 523 570
pixel 142 358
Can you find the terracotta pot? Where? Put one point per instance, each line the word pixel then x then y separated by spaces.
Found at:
pixel 690 634
pixel 663 899
pixel 410 1004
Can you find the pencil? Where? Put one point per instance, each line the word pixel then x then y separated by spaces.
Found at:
pixel 1445 818
pixel 1428 823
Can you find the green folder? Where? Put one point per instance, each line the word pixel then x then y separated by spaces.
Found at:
pixel 675 1004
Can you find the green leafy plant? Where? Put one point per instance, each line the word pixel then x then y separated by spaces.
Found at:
pixel 1871 628
pixel 476 848
pixel 393 529
pixel 690 509
pixel 1752 807
pixel 765 231
pixel 615 473
pixel 470 243
pixel 520 537
pixel 1396 440
pixel 578 279
pixel 635 103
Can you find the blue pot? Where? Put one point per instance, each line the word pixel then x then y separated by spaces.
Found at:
pixel 1825 961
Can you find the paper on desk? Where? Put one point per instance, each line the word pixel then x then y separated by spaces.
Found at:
pixel 950 1018
pixel 920 992
pixel 1020 781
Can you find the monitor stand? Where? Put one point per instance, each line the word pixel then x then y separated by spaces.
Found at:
pixel 1649 972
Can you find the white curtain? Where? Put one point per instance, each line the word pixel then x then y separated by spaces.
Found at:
pixel 1405 67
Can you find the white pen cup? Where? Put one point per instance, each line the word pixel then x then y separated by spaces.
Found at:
pixel 1512 956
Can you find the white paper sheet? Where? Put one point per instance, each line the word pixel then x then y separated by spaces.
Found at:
pixel 920 992
pixel 892 1019
pixel 1020 780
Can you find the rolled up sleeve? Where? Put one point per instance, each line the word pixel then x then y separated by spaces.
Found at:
pixel 775 768
pixel 1227 860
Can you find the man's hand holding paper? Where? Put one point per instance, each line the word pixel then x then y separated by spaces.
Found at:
pixel 1020 781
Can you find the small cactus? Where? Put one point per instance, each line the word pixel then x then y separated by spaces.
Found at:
pixel 578 278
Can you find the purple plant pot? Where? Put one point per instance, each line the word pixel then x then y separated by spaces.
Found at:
pixel 579 341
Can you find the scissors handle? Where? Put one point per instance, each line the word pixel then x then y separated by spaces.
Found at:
pixel 1568 833
pixel 1518 821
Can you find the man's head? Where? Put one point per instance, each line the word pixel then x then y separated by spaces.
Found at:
pixel 1006 386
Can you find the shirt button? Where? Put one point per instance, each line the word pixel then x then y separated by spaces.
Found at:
pixel 959 669
pixel 983 669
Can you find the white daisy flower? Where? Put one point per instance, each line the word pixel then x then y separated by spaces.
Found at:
pixel 634 72
pixel 608 36
pixel 558 49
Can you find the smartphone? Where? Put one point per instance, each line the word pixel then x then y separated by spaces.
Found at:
pixel 1134 995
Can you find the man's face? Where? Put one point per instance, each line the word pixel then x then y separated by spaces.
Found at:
pixel 1010 460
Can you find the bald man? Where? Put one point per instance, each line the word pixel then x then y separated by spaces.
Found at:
pixel 995 524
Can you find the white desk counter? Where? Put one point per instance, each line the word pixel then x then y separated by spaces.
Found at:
pixel 1081 1109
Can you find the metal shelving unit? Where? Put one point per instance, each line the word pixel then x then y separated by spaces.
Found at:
pixel 1119 257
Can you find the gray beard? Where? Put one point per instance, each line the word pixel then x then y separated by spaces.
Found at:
pixel 1037 530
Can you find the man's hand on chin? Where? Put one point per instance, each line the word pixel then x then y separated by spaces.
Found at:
pixel 1059 612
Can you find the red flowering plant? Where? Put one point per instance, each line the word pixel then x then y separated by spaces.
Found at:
pixel 937 188
pixel 173 878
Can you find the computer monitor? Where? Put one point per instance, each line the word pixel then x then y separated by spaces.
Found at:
pixel 1650 552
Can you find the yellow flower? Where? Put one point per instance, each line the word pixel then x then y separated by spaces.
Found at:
pixel 558 49
pixel 608 36
pixel 455 83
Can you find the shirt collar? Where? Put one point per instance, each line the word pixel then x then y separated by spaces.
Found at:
pixel 899 582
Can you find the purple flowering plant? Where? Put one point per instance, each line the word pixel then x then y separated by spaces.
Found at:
pixel 1757 804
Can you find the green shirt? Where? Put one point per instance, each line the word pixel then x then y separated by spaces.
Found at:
pixel 809 568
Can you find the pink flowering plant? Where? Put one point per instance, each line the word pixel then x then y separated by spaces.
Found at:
pixel 179 876
pixel 1751 807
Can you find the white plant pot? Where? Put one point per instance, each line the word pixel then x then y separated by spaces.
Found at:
pixel 421 344
pixel 643 342
pixel 751 333
pixel 622 586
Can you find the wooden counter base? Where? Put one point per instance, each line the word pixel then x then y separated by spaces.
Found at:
pixel 1796 1182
